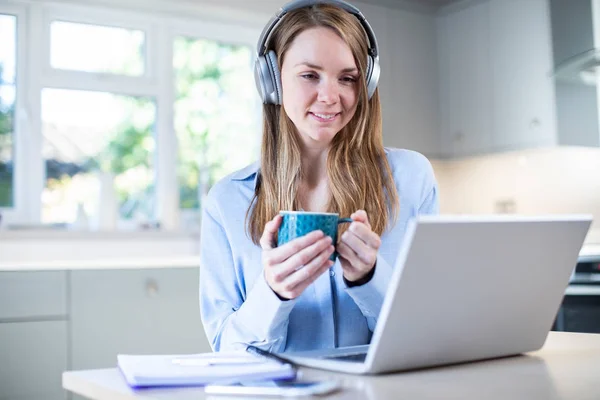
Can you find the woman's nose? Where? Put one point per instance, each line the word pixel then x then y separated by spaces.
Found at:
pixel 328 91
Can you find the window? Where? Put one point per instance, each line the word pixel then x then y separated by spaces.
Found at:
pixel 160 106
pixel 215 113
pixel 94 48
pixel 8 25
pixel 86 134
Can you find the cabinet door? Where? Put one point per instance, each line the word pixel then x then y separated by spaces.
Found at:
pixel 33 357
pixel 33 295
pixel 523 88
pixel 411 117
pixel 465 81
pixel 150 311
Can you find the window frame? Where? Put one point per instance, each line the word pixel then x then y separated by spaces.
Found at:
pixel 157 82
pixel 18 212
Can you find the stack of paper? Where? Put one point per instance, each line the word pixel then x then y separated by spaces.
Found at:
pixel 199 369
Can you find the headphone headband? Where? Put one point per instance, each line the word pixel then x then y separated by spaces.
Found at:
pixel 294 5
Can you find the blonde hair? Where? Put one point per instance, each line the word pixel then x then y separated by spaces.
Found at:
pixel 357 168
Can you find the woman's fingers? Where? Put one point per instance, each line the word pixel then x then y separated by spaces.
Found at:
pixel 365 247
pixel 267 240
pixel 361 216
pixel 308 269
pixel 364 233
pixel 287 250
pixel 306 275
pixel 346 252
pixel 305 256
pixel 291 267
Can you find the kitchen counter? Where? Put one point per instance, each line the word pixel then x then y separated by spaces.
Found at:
pixel 190 261
pixel 592 249
pixel 69 250
pixel 39 250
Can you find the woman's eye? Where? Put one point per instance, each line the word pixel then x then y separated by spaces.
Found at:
pixel 309 76
pixel 349 79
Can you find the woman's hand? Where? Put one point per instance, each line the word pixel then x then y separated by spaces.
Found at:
pixel 291 267
pixel 358 247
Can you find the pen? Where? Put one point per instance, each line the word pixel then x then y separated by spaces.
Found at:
pixel 260 352
pixel 206 362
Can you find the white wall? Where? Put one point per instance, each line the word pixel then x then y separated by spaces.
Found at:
pixel 545 181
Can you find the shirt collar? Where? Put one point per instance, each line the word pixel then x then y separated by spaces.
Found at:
pixel 246 173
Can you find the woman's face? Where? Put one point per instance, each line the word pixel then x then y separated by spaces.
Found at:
pixel 320 85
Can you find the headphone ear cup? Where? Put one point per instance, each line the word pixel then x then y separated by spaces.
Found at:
pixel 267 78
pixel 368 74
pixel 372 75
pixel 277 97
pixel 261 75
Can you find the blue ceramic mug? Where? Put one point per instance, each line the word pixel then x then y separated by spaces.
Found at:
pixel 299 223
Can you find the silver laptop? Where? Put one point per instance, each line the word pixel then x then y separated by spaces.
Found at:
pixel 466 288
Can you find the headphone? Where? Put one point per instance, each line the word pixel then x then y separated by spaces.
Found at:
pixel 266 70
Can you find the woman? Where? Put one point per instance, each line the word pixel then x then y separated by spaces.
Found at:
pixel 322 150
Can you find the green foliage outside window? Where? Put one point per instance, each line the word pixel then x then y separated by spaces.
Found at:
pixel 6 165
pixel 213 113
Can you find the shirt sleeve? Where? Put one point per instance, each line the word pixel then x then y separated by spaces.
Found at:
pixel 431 204
pixel 369 297
pixel 233 319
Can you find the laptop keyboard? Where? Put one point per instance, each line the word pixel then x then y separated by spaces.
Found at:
pixel 347 357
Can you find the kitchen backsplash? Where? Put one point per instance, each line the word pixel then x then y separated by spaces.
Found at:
pixel 542 181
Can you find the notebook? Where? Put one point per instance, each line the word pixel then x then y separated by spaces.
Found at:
pixel 199 369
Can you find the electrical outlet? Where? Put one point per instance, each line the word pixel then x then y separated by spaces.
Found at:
pixel 505 206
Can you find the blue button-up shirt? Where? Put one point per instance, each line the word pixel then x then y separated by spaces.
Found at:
pixel 239 308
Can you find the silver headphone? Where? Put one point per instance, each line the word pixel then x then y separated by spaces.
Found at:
pixel 266 70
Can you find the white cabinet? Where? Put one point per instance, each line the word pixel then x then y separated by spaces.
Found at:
pixel 411 111
pixel 141 311
pixel 521 61
pixel 496 89
pixel 408 84
pixel 53 321
pixel 465 85
pixel 34 356
pixel 33 334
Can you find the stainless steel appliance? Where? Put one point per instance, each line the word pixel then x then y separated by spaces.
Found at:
pixel 580 309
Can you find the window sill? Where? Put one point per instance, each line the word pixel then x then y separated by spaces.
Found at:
pixel 65 234
pixel 40 250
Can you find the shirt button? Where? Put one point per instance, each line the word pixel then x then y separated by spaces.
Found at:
pixel 331 272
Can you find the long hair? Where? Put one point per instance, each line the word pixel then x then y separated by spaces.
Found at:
pixel 359 174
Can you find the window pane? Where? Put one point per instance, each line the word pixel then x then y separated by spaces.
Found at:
pixel 86 133
pixel 216 113
pixel 94 48
pixel 8 25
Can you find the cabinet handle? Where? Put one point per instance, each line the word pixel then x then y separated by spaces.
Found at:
pixel 151 288
pixel 534 123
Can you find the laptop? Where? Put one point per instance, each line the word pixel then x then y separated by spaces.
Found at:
pixel 466 288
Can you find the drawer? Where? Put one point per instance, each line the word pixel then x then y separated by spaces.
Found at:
pixel 33 356
pixel 33 294
pixel 146 311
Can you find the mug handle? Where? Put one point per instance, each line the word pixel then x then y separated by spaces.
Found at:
pixel 344 220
